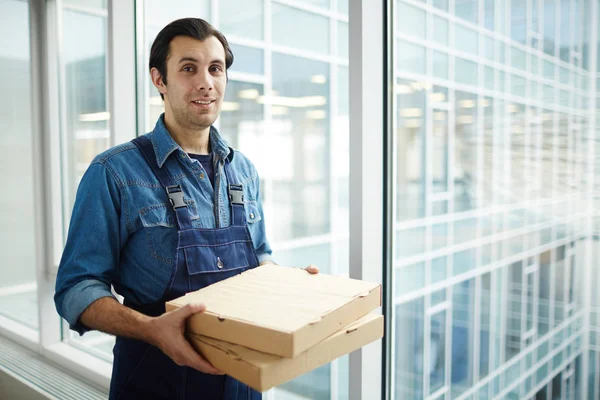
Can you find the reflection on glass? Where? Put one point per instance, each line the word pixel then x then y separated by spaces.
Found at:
pixel 440 151
pixel 299 169
pixel 550 25
pixel 513 317
pixel 18 287
pixel 484 318
pixel 462 332
pixel 410 139
pixel 465 151
pixel 489 184
pixel 410 356
pixel 437 351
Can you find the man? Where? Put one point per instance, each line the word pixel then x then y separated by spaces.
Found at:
pixel 171 212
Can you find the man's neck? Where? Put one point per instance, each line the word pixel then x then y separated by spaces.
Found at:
pixel 191 141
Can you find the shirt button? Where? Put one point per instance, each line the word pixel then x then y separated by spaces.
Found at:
pixel 202 175
pixel 251 215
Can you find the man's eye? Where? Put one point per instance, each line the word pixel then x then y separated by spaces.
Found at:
pixel 188 69
pixel 216 68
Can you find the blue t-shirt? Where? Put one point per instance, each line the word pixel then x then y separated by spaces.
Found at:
pixel 207 163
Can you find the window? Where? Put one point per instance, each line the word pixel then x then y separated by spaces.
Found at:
pixel 18 290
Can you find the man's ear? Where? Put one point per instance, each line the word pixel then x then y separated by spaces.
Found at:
pixel 157 80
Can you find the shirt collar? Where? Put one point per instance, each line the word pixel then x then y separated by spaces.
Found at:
pixel 164 145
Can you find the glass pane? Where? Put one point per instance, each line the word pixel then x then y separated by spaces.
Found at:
pixel 465 71
pixel 244 18
pixel 409 359
pixel 299 175
pixel 465 153
pixel 484 334
pixel 440 65
pixel 544 294
pixel 467 10
pixel 488 14
pixel 158 13
pixel 440 151
pixel 410 139
pixel 462 330
pixel 437 351
pixel 440 30
pixel 411 20
pixel 247 59
pixel 84 62
pixel 513 318
pixel 518 21
pixel 410 278
pixel 315 39
pixel 342 32
pixel 465 39
pixel 411 57
pixel 550 25
pixel 18 287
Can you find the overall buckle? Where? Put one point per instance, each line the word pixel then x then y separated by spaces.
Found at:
pixel 176 196
pixel 236 194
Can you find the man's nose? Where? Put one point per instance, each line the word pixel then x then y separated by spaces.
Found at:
pixel 204 82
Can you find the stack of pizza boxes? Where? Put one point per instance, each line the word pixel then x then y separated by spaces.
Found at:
pixel 271 324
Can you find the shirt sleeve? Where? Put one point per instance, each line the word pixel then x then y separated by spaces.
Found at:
pixel 259 235
pixel 90 258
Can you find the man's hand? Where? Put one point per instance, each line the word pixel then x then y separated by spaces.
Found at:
pixel 167 333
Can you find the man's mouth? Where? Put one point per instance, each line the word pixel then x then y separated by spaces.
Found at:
pixel 205 102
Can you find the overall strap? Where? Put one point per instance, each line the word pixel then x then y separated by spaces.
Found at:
pixel 174 192
pixel 236 196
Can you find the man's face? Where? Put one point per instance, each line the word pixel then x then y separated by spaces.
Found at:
pixel 196 81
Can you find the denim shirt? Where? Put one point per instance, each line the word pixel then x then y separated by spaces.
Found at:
pixel 123 229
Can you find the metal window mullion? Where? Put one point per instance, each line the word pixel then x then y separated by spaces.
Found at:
pixel 367 92
pixel 142 76
pixel 267 107
pixel 390 390
pixel 333 186
pixel 121 71
pixel 49 325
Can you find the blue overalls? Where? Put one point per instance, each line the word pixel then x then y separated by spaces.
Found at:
pixel 204 256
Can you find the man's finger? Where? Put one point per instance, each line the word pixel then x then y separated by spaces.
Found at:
pixel 313 269
pixel 196 361
pixel 190 309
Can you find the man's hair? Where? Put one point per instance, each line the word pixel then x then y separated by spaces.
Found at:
pixel 195 28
